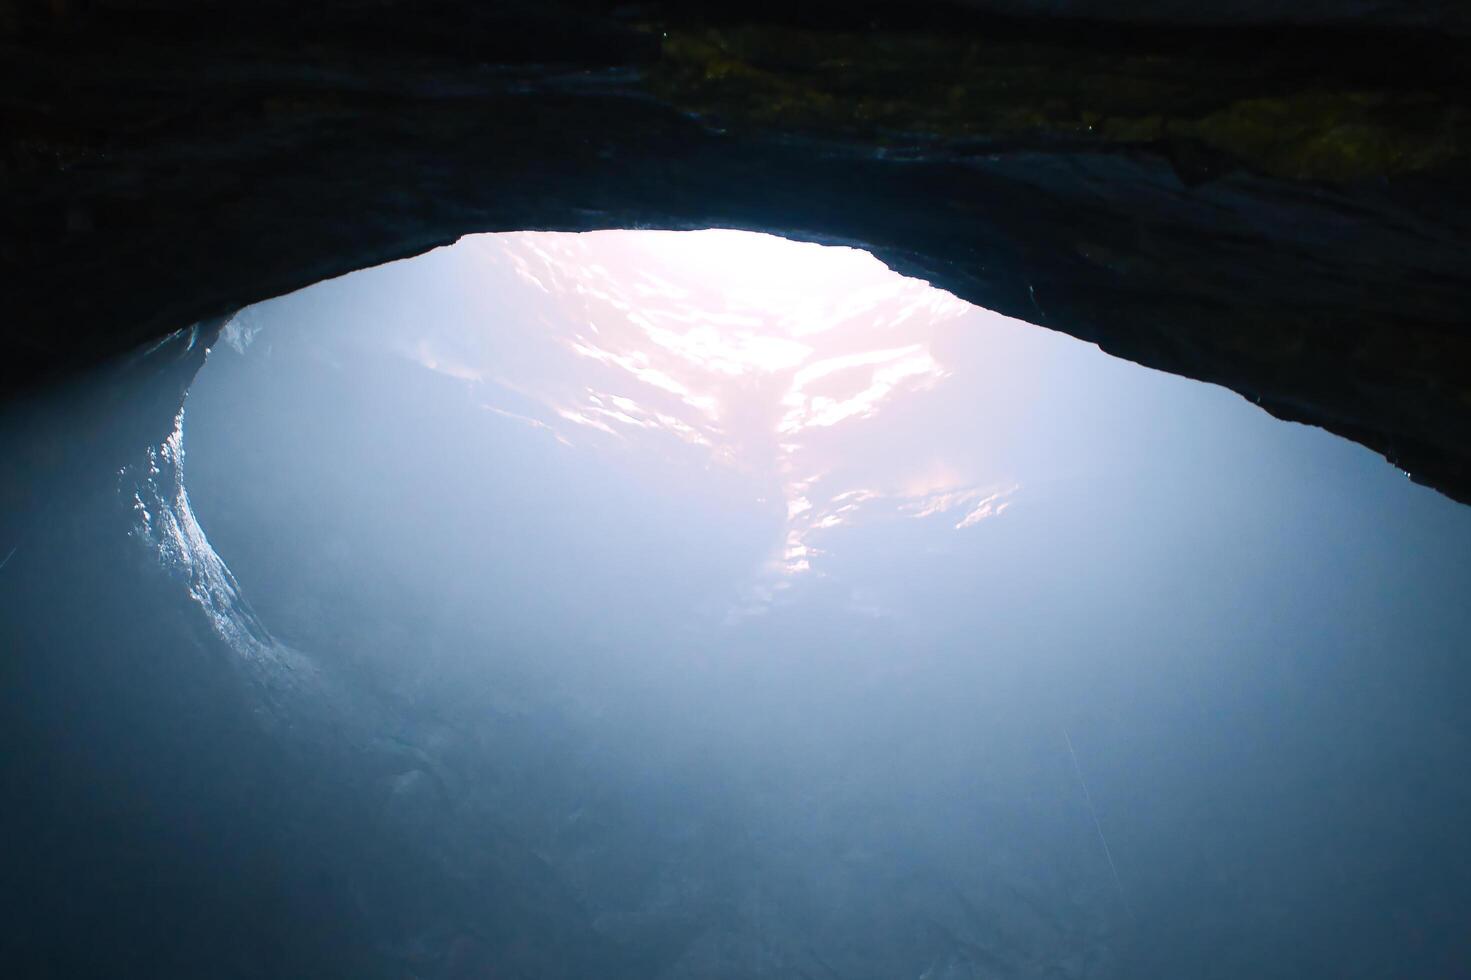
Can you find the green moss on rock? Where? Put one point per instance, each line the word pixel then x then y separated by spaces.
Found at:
pixel 905 88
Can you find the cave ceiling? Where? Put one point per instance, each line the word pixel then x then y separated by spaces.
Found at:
pixel 1268 201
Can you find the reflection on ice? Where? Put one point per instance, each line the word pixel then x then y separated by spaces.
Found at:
pixel 691 569
pixel 745 345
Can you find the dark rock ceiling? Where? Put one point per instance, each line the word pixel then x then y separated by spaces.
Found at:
pixel 1204 188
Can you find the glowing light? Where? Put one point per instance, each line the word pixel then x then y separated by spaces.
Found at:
pixel 755 349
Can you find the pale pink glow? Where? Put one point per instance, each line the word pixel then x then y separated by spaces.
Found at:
pixel 581 419
pixel 888 371
pixel 770 356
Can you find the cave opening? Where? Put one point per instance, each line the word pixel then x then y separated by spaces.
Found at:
pixel 748 571
pixel 698 605
pixel 685 604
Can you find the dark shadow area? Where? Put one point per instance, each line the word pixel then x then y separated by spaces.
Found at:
pixel 1279 208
